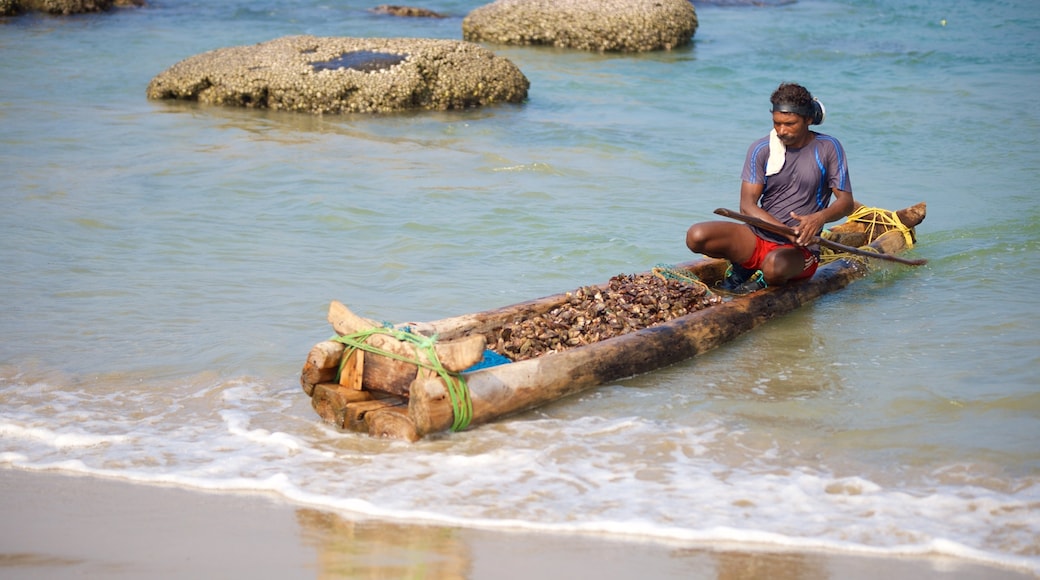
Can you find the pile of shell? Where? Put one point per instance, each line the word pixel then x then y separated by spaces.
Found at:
pixel 629 302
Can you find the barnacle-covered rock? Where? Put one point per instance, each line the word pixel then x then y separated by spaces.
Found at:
pixel 627 303
pixel 345 75
pixel 600 25
pixel 62 7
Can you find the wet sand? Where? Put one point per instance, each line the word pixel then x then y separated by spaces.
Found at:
pixel 58 526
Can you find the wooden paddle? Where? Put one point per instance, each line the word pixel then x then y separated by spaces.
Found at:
pixel 786 231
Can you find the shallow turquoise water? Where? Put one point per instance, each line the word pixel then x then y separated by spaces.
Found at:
pixel 166 267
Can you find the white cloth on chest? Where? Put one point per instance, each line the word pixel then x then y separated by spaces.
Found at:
pixel 777 154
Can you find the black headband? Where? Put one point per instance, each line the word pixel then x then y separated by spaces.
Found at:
pixel 814 110
pixel 803 110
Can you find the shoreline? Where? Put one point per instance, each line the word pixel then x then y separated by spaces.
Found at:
pixel 58 525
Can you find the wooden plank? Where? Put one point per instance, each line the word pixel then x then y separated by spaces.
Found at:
pixel 353 370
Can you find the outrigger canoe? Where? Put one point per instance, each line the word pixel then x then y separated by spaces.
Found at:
pixel 410 380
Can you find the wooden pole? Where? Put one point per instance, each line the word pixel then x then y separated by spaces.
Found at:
pixel 786 231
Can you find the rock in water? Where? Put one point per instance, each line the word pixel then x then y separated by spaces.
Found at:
pixel 345 75
pixel 600 25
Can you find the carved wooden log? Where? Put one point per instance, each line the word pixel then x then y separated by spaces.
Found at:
pixel 429 405
pixel 460 354
pixel 913 215
pixel 859 233
pixel 391 422
pixel 507 389
pixel 321 366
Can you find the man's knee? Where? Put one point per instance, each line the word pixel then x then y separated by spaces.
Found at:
pixel 780 266
pixel 696 238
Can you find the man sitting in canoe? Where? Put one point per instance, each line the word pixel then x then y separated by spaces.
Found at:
pixel 788 178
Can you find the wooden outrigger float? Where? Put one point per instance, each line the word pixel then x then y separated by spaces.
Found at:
pixel 415 379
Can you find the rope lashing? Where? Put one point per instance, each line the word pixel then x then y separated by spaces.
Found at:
pixel 875 218
pixel 881 218
pixel 461 403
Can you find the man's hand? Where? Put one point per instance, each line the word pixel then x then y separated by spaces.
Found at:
pixel 809 226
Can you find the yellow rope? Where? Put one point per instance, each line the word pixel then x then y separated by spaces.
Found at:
pixel 881 217
pixel 876 219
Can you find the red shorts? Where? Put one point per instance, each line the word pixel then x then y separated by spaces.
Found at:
pixel 763 247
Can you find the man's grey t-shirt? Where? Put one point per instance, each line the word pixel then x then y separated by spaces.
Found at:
pixel 803 185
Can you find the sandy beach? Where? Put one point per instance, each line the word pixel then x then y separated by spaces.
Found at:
pixel 58 526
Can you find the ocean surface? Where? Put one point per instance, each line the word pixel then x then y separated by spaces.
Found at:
pixel 166 267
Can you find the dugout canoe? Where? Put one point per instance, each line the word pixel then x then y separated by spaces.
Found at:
pixel 411 380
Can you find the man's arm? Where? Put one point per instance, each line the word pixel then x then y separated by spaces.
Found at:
pixel 750 193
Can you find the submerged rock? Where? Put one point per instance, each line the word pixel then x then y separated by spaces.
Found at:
pixel 758 3
pixel 345 75
pixel 600 25
pixel 62 7
pixel 411 11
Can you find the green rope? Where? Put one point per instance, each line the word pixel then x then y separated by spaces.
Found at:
pixel 461 403
pixel 667 272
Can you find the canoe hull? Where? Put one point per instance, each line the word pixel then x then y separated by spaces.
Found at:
pixel 503 390
pixel 507 389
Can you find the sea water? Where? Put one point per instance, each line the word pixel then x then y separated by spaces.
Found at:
pixel 165 268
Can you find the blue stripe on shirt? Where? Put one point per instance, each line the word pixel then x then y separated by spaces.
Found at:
pixel 754 155
pixel 843 169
